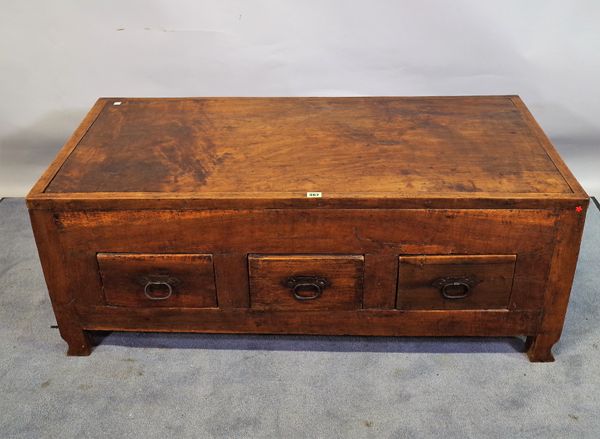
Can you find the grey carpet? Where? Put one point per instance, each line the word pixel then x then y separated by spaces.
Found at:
pixel 204 386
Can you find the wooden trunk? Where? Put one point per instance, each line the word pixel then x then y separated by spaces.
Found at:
pixel 438 216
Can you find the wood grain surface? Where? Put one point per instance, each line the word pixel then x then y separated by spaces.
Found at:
pixel 343 146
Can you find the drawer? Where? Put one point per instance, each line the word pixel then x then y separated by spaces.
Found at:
pixel 150 280
pixel 306 282
pixel 455 282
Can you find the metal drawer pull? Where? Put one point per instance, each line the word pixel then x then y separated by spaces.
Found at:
pixel 453 288
pixel 311 284
pixel 149 285
pixel 164 283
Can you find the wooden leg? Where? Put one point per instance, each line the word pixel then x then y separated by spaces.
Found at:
pixel 558 288
pixel 539 347
pixel 79 341
pixel 47 238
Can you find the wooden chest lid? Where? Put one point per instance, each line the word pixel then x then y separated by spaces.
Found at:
pixel 484 151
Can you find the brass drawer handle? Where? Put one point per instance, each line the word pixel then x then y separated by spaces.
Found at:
pixel 453 288
pixel 159 282
pixel 314 285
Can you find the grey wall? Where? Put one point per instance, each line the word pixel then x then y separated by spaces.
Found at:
pixel 57 57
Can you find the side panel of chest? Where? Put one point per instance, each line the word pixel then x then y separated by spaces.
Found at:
pixel 379 237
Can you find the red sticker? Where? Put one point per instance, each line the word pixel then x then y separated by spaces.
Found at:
pixel 578 209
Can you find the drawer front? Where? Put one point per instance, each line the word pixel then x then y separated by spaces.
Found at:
pixel 306 282
pixel 158 280
pixel 455 282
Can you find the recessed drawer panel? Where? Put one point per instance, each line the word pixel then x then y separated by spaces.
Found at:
pixel 148 280
pixel 305 282
pixel 455 282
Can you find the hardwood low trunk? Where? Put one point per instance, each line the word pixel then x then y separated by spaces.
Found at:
pixel 439 216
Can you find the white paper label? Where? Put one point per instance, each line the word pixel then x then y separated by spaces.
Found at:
pixel 314 195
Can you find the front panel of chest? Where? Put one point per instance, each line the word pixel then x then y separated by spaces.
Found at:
pixel 306 260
